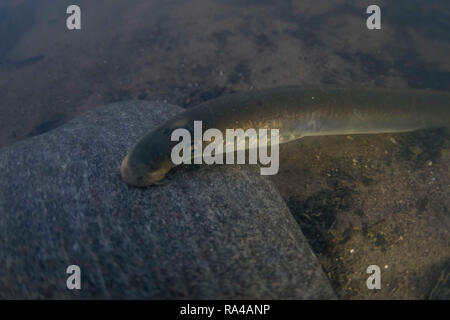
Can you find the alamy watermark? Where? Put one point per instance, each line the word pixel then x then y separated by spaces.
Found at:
pixel 373 22
pixel 374 280
pixel 73 282
pixel 220 149
pixel 73 22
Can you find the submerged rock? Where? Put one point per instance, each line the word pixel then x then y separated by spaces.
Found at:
pixel 207 232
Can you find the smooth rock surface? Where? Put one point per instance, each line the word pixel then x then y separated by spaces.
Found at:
pixel 208 232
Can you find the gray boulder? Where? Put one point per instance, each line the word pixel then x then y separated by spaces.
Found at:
pixel 208 232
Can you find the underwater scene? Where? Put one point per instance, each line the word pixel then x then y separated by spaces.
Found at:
pixel 118 179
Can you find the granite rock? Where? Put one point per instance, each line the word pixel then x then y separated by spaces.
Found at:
pixel 214 232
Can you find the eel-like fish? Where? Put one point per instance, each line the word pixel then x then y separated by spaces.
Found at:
pixel 297 112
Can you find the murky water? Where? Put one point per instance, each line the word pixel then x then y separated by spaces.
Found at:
pixel 188 51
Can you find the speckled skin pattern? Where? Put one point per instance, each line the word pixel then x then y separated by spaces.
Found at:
pixel 296 112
